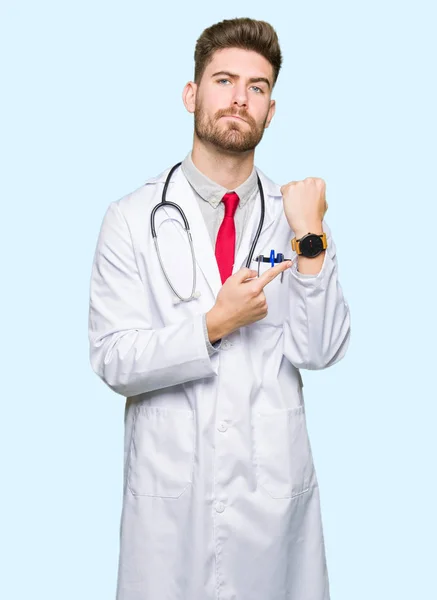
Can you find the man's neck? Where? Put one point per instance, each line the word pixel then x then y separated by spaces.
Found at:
pixel 229 170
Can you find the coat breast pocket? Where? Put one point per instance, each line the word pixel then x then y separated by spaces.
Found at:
pixel 276 293
pixel 283 456
pixel 162 452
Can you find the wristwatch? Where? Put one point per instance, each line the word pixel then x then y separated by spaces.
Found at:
pixel 310 245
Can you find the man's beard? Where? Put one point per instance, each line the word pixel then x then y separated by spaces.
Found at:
pixel 235 136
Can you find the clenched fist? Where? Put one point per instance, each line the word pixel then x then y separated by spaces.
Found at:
pixel 305 205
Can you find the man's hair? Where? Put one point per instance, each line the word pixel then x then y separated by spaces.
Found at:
pixel 245 33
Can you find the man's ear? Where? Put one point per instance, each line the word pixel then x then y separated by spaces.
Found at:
pixel 189 96
pixel 271 113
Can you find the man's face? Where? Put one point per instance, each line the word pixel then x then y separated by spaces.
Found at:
pixel 233 102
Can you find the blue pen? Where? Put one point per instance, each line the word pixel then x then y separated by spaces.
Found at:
pixel 272 257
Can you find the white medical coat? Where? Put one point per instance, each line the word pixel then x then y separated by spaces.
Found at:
pixel 221 498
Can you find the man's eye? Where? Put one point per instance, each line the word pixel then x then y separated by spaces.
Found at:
pixel 220 80
pixel 257 89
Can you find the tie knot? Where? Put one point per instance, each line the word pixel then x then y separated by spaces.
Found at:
pixel 230 201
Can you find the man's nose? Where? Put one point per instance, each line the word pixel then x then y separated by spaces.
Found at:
pixel 240 96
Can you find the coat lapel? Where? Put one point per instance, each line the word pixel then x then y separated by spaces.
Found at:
pixel 271 191
pixel 180 192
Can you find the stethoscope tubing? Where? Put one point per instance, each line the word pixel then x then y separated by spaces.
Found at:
pixel 165 202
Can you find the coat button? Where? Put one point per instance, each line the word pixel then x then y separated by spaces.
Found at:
pixel 222 426
pixel 220 507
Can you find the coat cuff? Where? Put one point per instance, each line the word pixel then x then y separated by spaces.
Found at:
pixel 314 280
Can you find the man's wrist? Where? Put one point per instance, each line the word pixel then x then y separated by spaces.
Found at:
pixel 212 348
pixel 310 266
pixel 215 327
pixel 315 227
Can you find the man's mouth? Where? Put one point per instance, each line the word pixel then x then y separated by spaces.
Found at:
pixel 235 117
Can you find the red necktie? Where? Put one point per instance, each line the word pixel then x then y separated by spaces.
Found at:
pixel 225 243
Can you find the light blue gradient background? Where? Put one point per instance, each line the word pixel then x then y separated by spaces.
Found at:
pixel 90 108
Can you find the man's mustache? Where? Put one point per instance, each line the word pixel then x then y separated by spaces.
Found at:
pixel 234 113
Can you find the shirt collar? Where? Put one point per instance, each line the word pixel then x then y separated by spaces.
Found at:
pixel 212 192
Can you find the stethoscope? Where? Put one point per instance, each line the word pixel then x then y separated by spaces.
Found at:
pixel 164 202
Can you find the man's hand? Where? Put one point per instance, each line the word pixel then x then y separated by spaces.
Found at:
pixel 241 301
pixel 305 205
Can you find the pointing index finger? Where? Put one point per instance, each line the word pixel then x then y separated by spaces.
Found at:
pixel 273 272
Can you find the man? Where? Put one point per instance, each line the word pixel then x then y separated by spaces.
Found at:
pixel 221 499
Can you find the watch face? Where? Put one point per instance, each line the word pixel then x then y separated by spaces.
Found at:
pixel 311 245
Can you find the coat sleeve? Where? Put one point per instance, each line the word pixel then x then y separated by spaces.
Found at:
pixel 317 332
pixel 126 352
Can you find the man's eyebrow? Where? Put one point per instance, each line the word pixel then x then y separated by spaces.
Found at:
pixel 235 76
